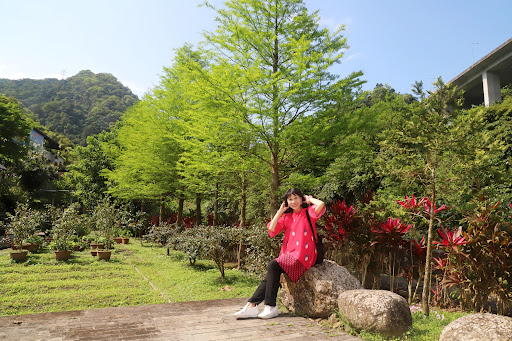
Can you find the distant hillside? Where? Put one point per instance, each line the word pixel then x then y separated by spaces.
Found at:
pixel 76 107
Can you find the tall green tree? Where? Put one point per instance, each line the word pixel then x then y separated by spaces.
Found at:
pixel 86 174
pixel 279 58
pixel 14 129
pixel 145 164
pixel 422 146
pixel 218 145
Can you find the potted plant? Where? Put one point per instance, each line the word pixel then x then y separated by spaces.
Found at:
pixel 118 239
pixel 90 240
pixel 20 226
pixel 105 218
pixel 117 233
pixel 125 235
pixel 33 243
pixel 79 243
pixel 61 247
pixel 63 232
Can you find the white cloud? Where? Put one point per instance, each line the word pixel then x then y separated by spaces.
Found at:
pixel 351 56
pixel 137 89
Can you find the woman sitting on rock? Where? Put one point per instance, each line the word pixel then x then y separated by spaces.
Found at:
pixel 298 252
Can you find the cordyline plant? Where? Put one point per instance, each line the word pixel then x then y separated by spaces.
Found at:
pixel 428 212
pixel 339 221
pixel 489 258
pixel 390 236
pixel 350 239
pixel 412 205
pixel 477 262
pixel 451 242
pixel 418 251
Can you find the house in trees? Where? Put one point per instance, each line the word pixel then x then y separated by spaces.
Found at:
pixel 48 146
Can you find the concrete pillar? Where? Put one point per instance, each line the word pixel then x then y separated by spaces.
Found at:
pixel 492 88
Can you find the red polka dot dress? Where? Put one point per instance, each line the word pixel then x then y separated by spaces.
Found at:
pixel 298 252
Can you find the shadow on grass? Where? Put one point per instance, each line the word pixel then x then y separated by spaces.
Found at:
pixel 239 280
pixel 200 266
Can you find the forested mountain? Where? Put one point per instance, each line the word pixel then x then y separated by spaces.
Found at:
pixel 78 106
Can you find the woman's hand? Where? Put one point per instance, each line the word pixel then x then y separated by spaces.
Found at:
pixel 279 213
pixel 318 203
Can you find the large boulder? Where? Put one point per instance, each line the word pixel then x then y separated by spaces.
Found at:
pixel 478 327
pixel 316 293
pixel 377 311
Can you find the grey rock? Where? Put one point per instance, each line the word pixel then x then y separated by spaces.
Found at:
pixel 478 327
pixel 378 311
pixel 316 293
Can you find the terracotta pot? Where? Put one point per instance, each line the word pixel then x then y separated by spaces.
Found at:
pixel 94 246
pixel 31 247
pixel 62 255
pixel 118 240
pixel 78 248
pixel 94 253
pixel 126 240
pixel 104 255
pixel 18 255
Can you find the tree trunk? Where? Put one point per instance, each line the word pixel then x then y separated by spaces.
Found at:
pixel 142 212
pixel 243 201
pixel 216 205
pixel 274 147
pixel 428 273
pixel 198 209
pixel 160 214
pixel 274 186
pixel 179 218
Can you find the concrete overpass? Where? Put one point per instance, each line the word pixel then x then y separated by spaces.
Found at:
pixel 483 80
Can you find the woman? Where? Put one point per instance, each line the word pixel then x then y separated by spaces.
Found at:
pixel 297 255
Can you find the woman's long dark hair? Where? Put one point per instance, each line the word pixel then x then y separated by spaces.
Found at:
pixel 298 193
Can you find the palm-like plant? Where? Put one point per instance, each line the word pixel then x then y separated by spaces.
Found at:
pixel 390 234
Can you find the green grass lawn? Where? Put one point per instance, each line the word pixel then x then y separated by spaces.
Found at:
pixel 41 284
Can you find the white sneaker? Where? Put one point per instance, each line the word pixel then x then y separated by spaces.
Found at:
pixel 269 312
pixel 247 312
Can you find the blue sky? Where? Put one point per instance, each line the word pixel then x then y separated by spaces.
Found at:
pixel 395 42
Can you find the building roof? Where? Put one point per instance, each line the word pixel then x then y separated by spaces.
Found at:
pixel 51 143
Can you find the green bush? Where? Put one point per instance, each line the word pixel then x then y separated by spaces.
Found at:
pixel 212 242
pixel 191 242
pixel 160 234
pixel 260 249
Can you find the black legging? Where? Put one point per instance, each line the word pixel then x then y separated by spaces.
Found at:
pixel 267 290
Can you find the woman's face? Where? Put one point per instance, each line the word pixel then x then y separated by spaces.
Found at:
pixel 294 202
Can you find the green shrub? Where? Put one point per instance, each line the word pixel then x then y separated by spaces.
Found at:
pixel 260 249
pixel 160 234
pixel 191 242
